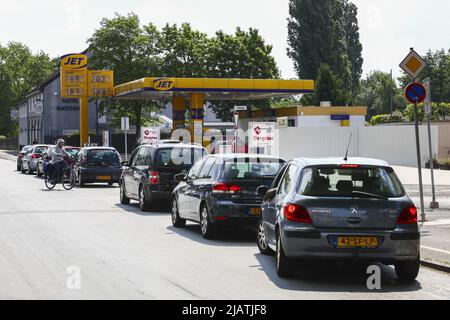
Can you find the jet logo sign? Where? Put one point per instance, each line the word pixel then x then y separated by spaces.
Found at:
pixel 163 84
pixel 74 62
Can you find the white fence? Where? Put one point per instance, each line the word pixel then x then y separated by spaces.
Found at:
pixel 394 144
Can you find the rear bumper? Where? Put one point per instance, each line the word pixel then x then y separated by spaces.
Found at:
pixel 92 175
pixel 153 194
pixel 228 212
pixel 397 245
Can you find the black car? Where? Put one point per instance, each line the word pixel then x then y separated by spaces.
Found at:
pixel 223 189
pixel 98 164
pixel 149 175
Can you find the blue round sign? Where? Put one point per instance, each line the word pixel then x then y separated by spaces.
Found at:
pixel 415 92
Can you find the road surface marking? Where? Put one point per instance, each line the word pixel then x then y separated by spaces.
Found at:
pixel 434 249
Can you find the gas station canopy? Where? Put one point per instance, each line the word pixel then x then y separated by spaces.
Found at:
pixel 213 89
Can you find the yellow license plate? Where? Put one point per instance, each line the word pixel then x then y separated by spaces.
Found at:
pixel 357 242
pixel 255 211
pixel 103 177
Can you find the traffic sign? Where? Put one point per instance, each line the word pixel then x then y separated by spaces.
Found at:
pixel 413 64
pixel 415 92
pixel 125 123
pixel 428 104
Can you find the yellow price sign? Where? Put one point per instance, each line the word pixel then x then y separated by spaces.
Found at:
pixel 73 83
pixel 101 83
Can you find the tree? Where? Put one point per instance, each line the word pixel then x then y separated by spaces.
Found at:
pixel 376 92
pixel 328 87
pixel 133 52
pixel 20 72
pixel 242 55
pixel 354 47
pixel 325 32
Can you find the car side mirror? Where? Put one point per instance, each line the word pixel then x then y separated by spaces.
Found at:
pixel 180 177
pixel 270 194
pixel 262 190
pixel 124 164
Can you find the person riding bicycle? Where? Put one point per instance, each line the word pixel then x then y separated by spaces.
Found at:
pixel 57 154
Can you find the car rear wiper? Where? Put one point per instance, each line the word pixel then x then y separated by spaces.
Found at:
pixel 369 195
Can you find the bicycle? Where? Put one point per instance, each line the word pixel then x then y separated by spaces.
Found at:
pixel 67 178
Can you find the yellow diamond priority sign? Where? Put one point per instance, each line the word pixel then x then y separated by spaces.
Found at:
pixel 413 64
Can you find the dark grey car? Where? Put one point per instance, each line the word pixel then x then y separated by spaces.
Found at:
pixel 334 209
pixel 222 190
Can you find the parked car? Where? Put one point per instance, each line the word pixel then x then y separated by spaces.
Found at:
pixel 31 157
pixel 98 164
pixel 339 210
pixel 149 175
pixel 20 155
pixel 45 159
pixel 222 189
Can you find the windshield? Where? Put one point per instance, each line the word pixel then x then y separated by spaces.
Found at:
pixel 178 157
pixel 72 152
pixel 102 157
pixel 253 169
pixel 369 182
pixel 40 150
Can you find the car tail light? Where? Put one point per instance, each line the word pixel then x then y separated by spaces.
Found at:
pixel 226 188
pixel 154 177
pixel 408 215
pixel 35 156
pixel 349 166
pixel 297 213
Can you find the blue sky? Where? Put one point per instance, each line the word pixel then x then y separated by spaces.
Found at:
pixel 388 28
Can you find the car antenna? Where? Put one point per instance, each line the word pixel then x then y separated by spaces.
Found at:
pixel 348 147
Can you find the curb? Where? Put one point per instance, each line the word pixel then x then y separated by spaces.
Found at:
pixel 435 266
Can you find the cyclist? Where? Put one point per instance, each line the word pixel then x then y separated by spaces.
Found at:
pixel 57 154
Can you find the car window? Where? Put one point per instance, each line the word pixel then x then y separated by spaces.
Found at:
pixel 98 157
pixel 335 181
pixel 254 169
pixel 176 157
pixel 205 173
pixel 143 157
pixel 288 179
pixel 132 161
pixel 276 181
pixel 194 173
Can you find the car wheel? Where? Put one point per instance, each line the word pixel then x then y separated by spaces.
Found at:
pixel 123 198
pixel 29 171
pixel 176 220
pixel 261 240
pixel 285 267
pixel 22 170
pixel 110 183
pixel 144 204
pixel 18 167
pixel 81 182
pixel 407 271
pixel 38 172
pixel 207 228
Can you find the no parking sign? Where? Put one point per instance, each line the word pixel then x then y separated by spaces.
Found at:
pixel 415 92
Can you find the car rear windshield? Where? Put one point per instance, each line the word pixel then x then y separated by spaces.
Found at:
pixel 178 157
pixel 72 152
pixel 252 169
pixel 40 150
pixel 102 157
pixel 350 182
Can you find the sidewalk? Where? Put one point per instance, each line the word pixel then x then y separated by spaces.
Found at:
pixel 8 154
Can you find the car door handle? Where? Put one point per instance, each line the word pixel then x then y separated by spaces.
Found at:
pixel 354 220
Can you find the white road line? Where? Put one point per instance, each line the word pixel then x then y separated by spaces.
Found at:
pixel 434 249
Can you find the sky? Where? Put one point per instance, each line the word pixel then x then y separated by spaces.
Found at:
pixel 388 28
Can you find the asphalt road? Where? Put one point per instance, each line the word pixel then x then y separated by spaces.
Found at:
pixel 124 254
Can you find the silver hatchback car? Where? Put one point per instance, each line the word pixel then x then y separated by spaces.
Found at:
pixel 335 209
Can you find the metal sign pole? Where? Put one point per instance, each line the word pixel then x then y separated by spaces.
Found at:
pixel 126 145
pixel 419 162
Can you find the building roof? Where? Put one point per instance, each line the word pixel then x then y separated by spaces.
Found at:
pixel 341 161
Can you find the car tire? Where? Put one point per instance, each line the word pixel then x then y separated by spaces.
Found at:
pixel 207 228
pixel 18 167
pixel 81 182
pixel 38 173
pixel 144 204
pixel 285 267
pixel 110 184
pixel 407 271
pixel 22 170
pixel 29 171
pixel 261 240
pixel 177 222
pixel 123 198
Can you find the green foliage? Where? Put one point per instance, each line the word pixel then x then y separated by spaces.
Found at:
pixel 326 32
pixel 397 116
pixel 329 88
pixel 287 102
pixel 376 91
pixel 440 111
pixel 438 71
pixel 20 72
